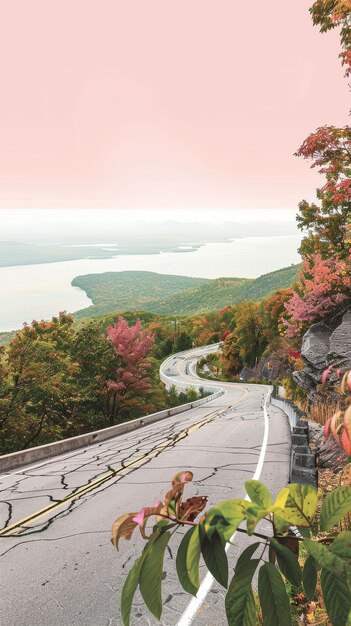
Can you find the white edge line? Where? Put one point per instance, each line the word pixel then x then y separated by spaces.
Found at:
pixel 195 603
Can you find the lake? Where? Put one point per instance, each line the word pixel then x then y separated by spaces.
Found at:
pixel 40 291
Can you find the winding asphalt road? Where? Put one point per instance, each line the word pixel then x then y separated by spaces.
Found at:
pixel 58 567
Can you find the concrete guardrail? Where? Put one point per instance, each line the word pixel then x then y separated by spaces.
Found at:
pixel 47 451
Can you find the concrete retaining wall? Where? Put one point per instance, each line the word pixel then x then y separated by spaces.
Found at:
pixel 302 460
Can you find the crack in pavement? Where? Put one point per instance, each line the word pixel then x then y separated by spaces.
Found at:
pixel 153 452
pixel 53 539
pixel 9 515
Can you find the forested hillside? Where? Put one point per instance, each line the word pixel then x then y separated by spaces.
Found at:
pixel 175 295
pixel 130 290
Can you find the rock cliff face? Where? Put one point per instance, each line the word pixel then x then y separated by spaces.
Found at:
pixel 267 368
pixel 325 343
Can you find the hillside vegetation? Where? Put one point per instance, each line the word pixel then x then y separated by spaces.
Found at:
pixel 176 295
pixel 130 290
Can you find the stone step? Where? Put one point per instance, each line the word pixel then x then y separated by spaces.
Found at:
pixel 304 476
pixel 301 450
pixel 306 461
pixel 300 430
pixel 299 440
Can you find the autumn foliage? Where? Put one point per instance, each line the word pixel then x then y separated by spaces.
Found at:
pixel 131 384
pixel 325 286
pixel 58 380
pixel 330 14
pixel 328 224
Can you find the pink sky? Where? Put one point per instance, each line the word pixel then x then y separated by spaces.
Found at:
pixel 152 104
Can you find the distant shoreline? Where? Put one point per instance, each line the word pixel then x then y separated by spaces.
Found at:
pixel 25 254
pixel 41 290
pixel 140 240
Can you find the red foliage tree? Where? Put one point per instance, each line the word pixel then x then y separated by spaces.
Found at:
pixel 329 148
pixel 132 384
pixel 328 225
pixel 325 286
pixel 329 14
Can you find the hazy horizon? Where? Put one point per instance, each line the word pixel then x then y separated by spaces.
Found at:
pixel 79 224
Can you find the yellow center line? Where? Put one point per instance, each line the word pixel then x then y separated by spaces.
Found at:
pixel 17 527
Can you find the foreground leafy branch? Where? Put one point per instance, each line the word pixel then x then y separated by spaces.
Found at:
pixel 294 522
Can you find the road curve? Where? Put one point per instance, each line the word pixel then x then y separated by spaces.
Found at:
pixel 57 563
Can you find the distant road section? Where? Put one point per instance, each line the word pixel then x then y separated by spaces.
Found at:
pixel 56 517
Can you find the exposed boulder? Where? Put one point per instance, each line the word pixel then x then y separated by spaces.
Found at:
pixel 325 343
pixel 315 347
pixel 340 344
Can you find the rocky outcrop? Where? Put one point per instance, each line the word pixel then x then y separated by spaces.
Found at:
pixel 267 368
pixel 325 343
pixel 340 344
pixel 247 373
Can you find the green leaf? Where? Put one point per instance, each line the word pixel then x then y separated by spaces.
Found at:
pixel 273 597
pixel 254 514
pixel 129 589
pixel 215 557
pixel 229 509
pixel 162 523
pixel 150 578
pixel 258 493
pixel 300 505
pixel 327 559
pixel 281 498
pixel 335 506
pixel 309 577
pixel 225 517
pixel 193 557
pixel 337 598
pixel 272 555
pixel 281 526
pixel 288 563
pixel 247 554
pixel 305 532
pixel 239 601
pixel 341 546
pixel 182 565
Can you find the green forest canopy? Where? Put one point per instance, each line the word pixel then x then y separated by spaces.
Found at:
pixel 181 295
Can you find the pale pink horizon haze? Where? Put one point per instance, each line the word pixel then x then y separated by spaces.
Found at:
pixel 151 105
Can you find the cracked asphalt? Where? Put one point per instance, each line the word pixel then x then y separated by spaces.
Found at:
pixel 58 566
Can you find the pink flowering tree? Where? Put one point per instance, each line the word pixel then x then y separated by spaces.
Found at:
pixel 324 288
pixel 132 385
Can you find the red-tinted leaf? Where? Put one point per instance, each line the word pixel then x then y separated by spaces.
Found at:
pixel 334 425
pixel 346 443
pixel 325 375
pixel 327 427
